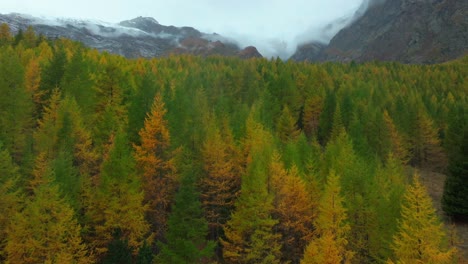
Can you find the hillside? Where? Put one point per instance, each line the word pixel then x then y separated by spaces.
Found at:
pixel 408 31
pixel 192 159
pixel 135 38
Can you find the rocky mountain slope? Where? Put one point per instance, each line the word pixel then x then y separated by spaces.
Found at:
pixel 139 37
pixel 409 31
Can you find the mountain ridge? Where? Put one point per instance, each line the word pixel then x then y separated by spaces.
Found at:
pixel 408 31
pixel 138 37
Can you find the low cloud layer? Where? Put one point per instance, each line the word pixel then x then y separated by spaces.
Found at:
pixel 275 27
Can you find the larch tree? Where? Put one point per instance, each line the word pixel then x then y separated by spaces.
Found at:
pixel 294 209
pixel 117 210
pixel 313 107
pixel 32 81
pixel 397 143
pixel 110 113
pixel 66 143
pixel 420 237
pixel 46 230
pixel 427 151
pixel 249 234
pixel 15 105
pixel 330 244
pixel 221 181
pixel 286 126
pixel 5 34
pixel 155 165
pixel 9 194
pixel 52 72
pixel 338 126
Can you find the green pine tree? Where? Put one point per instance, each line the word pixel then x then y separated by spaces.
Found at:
pixel 187 228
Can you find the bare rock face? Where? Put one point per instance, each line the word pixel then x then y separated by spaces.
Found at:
pixel 139 37
pixel 408 31
pixel 308 52
pixel 249 52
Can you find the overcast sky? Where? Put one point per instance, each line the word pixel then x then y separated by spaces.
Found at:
pixel 274 26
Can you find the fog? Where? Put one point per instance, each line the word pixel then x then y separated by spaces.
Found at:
pixel 275 27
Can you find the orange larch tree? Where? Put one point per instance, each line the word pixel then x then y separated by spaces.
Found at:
pixel 155 164
pixel 294 209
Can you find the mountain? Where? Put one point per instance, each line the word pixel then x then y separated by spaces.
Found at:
pixel 139 37
pixel 408 31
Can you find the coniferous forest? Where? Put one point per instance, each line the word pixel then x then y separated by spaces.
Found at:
pixel 221 160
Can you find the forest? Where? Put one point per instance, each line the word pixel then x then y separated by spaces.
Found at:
pixel 187 159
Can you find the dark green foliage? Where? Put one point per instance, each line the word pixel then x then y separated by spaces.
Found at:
pixel 15 105
pixel 145 255
pixel 187 228
pixel 53 72
pixel 455 198
pixel 77 82
pixel 118 251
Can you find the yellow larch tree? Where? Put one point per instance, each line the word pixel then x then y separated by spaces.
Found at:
pixel 329 246
pixel 221 182
pixel 155 164
pixel 286 126
pixel 420 237
pixel 313 108
pixel 45 231
pixel 116 206
pixel 397 142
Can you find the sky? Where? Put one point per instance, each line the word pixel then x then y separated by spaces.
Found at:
pixel 275 27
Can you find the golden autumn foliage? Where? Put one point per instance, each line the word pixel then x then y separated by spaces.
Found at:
pixel 313 107
pixel 90 159
pixel 286 127
pixel 46 231
pixel 117 205
pixel 155 165
pixel 294 209
pixel 220 186
pixel 420 237
pixel 329 246
pixel 427 150
pixel 398 145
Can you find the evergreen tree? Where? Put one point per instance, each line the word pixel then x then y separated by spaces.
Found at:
pixel 397 143
pixel 5 34
pixel 15 106
pixel 286 127
pixel 311 118
pixel 52 72
pixel 420 237
pixel 116 206
pixel 250 236
pixel 330 245
pixel 118 250
pixel 145 254
pixel 187 228
pixel 427 150
pixel 45 231
pixel 455 200
pixel 9 194
pixel 221 183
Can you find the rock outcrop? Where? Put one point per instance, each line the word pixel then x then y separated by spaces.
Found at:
pixel 408 31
